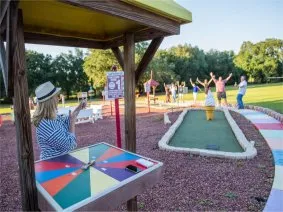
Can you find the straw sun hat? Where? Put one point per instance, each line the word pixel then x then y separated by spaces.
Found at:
pixel 45 91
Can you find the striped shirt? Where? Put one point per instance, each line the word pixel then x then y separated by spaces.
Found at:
pixel 54 137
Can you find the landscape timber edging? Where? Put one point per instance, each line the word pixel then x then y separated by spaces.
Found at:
pixel 267 111
pixel 248 147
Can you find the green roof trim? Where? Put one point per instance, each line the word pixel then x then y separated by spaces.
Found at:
pixel 167 8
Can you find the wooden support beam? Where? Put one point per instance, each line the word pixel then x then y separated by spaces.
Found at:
pixel 4 4
pixel 62 41
pixel 119 56
pixel 147 57
pixel 22 118
pixel 129 12
pixel 3 65
pixel 142 35
pixel 130 102
pixel 10 46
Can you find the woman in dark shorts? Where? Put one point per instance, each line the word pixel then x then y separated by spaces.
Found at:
pixel 205 84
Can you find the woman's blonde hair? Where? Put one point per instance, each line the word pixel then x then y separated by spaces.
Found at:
pixel 45 110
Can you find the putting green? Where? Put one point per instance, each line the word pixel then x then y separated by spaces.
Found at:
pixel 196 132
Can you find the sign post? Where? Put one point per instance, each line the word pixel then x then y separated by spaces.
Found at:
pixel 115 84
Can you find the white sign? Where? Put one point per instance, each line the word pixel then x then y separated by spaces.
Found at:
pixel 84 94
pixel 147 88
pixel 115 85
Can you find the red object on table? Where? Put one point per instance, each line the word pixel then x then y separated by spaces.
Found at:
pixel 118 127
pixel 0 120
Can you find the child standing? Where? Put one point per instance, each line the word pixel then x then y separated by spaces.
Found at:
pixel 181 92
pixel 195 90
pixel 167 92
pixel 174 92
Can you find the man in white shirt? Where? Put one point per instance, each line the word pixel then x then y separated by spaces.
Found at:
pixel 242 91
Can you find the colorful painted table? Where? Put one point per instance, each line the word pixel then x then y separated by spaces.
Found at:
pixel 64 185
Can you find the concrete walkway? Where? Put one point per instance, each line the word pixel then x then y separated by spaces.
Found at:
pixel 272 131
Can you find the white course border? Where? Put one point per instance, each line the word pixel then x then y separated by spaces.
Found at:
pixel 248 147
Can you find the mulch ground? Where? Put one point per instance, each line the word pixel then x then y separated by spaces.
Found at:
pixel 190 183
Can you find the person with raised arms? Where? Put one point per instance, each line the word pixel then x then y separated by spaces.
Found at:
pixel 220 87
pixel 196 89
pixel 205 84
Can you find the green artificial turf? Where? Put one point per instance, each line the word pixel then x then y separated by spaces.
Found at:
pixel 196 132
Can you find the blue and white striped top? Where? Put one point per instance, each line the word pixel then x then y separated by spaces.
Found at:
pixel 54 137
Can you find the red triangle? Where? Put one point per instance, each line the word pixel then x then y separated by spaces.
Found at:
pixel 110 153
pixel 48 165
pixel 55 185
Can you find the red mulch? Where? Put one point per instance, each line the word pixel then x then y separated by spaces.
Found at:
pixel 190 182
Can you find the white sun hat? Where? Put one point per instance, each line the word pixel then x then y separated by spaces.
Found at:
pixel 45 91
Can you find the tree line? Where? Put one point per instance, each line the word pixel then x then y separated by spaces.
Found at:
pixel 75 71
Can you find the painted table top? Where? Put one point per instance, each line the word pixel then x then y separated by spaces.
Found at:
pixel 66 186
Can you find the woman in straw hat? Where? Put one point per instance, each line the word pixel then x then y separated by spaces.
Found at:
pixel 55 133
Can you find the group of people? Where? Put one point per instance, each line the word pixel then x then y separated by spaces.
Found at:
pixel 176 90
pixel 220 84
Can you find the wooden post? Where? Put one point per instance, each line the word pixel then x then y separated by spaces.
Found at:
pixel 130 103
pixel 22 118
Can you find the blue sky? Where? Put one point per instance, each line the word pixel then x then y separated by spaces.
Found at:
pixel 218 24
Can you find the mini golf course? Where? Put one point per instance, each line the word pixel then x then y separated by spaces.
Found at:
pixel 196 132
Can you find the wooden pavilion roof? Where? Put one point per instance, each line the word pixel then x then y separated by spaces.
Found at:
pixel 100 23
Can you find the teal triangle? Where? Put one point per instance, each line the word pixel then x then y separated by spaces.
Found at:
pixel 76 191
pixel 96 151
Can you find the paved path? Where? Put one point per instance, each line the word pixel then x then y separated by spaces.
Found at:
pixel 272 131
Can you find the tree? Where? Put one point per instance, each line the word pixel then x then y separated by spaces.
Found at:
pixel 69 72
pixel 96 64
pixel 38 69
pixel 162 70
pixel 221 64
pixel 261 60
pixel 189 62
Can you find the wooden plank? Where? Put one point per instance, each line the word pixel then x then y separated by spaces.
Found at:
pixel 22 117
pixel 4 4
pixel 10 21
pixel 130 102
pixel 61 41
pixel 130 12
pixel 142 35
pixel 147 57
pixel 3 27
pixel 3 65
pixel 119 56
pixel 36 38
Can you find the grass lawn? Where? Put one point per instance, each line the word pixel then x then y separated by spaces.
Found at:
pixel 190 133
pixel 265 95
